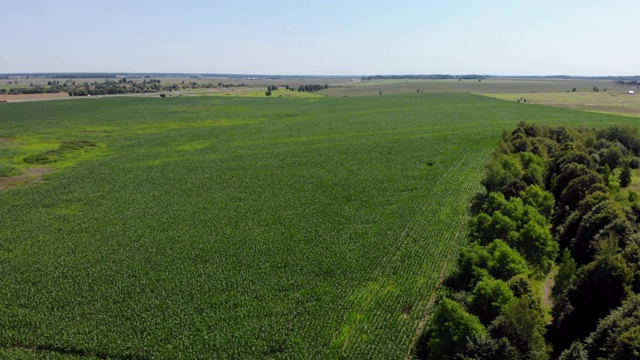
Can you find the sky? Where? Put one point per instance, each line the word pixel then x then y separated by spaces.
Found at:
pixel 328 37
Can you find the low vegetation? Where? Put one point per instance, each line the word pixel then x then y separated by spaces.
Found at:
pixel 131 86
pixel 551 194
pixel 66 148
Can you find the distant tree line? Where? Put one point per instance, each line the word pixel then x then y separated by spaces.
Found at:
pixel 127 86
pixel 423 77
pixel 107 87
pixel 223 85
pixel 553 196
pixel 308 87
pixel 627 83
pixel 298 88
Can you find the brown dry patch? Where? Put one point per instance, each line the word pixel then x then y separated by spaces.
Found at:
pixel 5 140
pixel 28 97
pixel 406 311
pixel 28 177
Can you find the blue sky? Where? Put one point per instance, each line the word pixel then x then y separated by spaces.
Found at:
pixel 326 37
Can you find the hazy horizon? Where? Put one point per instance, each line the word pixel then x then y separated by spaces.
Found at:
pixel 352 38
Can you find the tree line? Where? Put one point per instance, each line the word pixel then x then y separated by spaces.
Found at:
pixel 556 198
pixel 423 77
pixel 299 88
pixel 107 87
pixel 627 83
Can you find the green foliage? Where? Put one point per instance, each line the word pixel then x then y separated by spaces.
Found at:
pixel 592 226
pixel 451 329
pixel 537 246
pixel 628 345
pixel 522 323
pixel 505 262
pixel 65 149
pixel 489 348
pixel 566 232
pixel 487 228
pixel 566 274
pixel 576 351
pixel 476 262
pixel 600 286
pixel 578 188
pixel 616 230
pixel 540 199
pixel 600 216
pixel 5 169
pixel 521 285
pixel 562 135
pixel 512 173
pixel 627 135
pixel 632 255
pixel 488 298
pixel 472 259
pixel 565 174
pixel 504 174
pixel 625 175
pixel 520 226
pixel 602 342
pixel 577 156
pixel 613 157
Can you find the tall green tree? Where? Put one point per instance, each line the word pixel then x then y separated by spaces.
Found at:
pixel 488 299
pixel 451 330
pixel 625 175
pixel 600 286
pixel 522 323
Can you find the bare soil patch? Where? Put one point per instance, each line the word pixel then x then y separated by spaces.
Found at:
pixel 548 287
pixel 28 177
pixel 4 140
pixel 28 97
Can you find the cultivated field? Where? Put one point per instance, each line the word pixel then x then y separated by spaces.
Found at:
pixel 549 92
pixel 490 85
pixel 543 91
pixel 231 227
pixel 616 101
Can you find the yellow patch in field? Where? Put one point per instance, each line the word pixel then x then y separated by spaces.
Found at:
pixel 353 330
pixel 194 145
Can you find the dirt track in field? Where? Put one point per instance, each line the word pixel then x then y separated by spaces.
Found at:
pixel 28 177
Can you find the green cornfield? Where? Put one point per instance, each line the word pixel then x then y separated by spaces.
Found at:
pixel 240 228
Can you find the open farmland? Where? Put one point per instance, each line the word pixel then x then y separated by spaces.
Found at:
pixel 230 227
pixel 488 85
pixel 617 100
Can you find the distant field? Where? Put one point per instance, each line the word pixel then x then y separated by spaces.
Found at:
pixel 8 87
pixel 30 97
pixel 247 92
pixel 543 91
pixel 490 85
pixel 551 92
pixel 231 87
pixel 231 227
pixel 614 101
